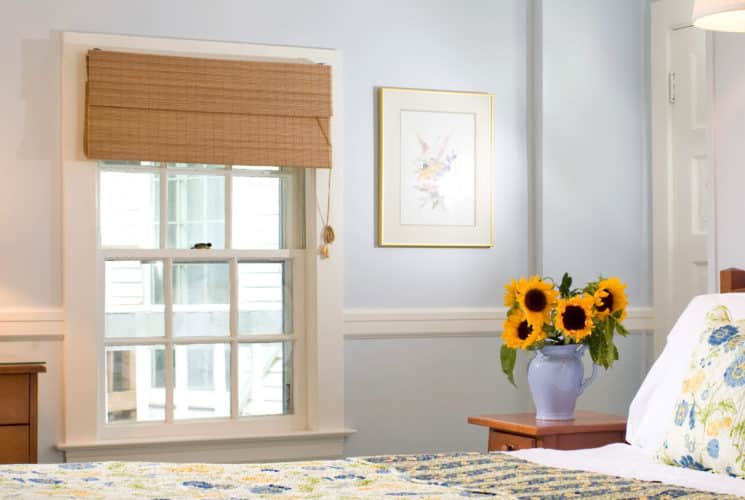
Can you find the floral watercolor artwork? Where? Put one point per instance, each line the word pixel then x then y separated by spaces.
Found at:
pixel 435 169
pixel 438 173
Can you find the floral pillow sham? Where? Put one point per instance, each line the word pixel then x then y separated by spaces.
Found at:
pixel 708 429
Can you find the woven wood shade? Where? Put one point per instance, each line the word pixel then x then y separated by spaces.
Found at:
pixel 189 110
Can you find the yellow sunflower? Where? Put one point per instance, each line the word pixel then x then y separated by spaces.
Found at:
pixel 536 298
pixel 574 316
pixel 518 333
pixel 610 298
pixel 511 292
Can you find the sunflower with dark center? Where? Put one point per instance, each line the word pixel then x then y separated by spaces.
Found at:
pixel 536 298
pixel 610 297
pixel 519 333
pixel 574 317
pixel 511 291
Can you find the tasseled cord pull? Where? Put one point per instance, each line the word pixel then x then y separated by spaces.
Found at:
pixel 328 235
pixel 328 238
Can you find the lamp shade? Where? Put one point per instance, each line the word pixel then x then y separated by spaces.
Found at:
pixel 719 15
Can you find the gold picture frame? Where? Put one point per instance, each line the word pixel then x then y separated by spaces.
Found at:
pixel 409 217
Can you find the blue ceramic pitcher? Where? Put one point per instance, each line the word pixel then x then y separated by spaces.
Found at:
pixel 555 378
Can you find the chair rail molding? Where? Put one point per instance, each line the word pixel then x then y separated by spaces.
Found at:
pixel 31 324
pixel 451 322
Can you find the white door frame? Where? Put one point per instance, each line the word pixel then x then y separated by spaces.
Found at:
pixel 666 17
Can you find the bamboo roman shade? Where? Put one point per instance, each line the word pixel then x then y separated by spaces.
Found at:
pixel 191 110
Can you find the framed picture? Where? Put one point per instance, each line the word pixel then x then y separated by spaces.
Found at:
pixel 434 176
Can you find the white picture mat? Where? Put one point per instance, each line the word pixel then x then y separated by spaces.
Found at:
pixel 438 168
pixel 393 230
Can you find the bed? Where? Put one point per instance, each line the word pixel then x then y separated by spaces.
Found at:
pixel 455 475
pixel 617 471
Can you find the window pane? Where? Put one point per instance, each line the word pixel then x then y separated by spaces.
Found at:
pixel 131 395
pixel 130 209
pixel 256 212
pixel 202 387
pixel 201 299
pixel 261 298
pixel 125 163
pixel 256 168
pixel 196 210
pixel 134 299
pixel 264 379
pixel 195 165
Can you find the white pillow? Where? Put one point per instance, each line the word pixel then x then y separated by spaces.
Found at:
pixel 706 429
pixel 649 413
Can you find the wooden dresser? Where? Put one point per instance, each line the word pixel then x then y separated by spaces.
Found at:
pixel 18 411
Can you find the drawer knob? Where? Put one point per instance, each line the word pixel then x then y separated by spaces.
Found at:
pixel 507 447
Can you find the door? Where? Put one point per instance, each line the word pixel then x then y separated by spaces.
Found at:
pixel 684 264
pixel 691 177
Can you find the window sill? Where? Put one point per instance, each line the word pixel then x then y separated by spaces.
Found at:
pixel 300 445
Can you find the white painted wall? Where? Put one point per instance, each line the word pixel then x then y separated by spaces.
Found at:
pixel 593 137
pixel 728 124
pixel 593 174
pixel 413 395
pixel 596 164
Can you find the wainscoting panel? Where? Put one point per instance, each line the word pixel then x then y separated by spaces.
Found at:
pixel 445 322
pixel 412 377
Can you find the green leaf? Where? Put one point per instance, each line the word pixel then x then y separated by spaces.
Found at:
pixel 621 330
pixel 591 288
pixel 596 347
pixel 508 357
pixel 738 430
pixel 727 406
pixel 565 289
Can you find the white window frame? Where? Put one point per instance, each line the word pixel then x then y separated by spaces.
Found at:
pixel 317 426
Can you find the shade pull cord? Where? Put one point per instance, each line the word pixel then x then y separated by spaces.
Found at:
pixel 323 132
pixel 328 235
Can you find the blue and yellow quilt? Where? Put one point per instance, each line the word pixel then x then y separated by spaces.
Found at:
pixel 455 475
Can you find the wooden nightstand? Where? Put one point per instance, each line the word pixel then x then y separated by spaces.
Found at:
pixel 18 411
pixel 519 431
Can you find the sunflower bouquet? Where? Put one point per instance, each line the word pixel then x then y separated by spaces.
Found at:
pixel 540 314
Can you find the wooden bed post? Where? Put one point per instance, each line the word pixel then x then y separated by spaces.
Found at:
pixel 731 280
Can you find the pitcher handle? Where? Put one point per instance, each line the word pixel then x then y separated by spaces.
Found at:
pixel 586 383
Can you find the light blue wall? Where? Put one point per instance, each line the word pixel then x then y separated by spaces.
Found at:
pixel 414 395
pixel 477 45
pixel 596 164
pixel 729 149
pixel 402 395
pixel 593 173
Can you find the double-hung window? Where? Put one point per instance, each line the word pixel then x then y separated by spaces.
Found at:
pixel 202 316
pixel 197 305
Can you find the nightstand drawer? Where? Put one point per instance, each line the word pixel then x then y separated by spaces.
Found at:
pixel 15 399
pixel 14 444
pixel 502 441
pixel 580 441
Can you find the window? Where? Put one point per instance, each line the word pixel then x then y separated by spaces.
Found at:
pixel 192 333
pixel 279 364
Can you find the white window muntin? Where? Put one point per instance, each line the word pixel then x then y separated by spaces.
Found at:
pixel 291 206
pixel 291 235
